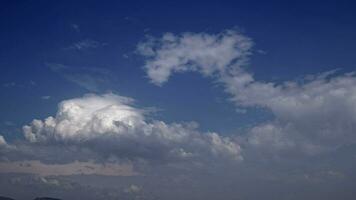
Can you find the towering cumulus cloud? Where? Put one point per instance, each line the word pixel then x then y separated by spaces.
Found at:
pixel 315 116
pixel 111 126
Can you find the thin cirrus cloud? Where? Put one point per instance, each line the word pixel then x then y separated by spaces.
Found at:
pixel 90 78
pixel 86 44
pixel 310 118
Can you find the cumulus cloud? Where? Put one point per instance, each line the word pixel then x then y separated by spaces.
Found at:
pixel 2 141
pixel 201 52
pixel 310 117
pixel 5 148
pixel 111 126
pixel 314 116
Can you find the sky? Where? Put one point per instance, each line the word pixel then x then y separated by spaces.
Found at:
pixel 178 100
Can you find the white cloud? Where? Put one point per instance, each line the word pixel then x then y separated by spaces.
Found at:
pixel 2 141
pixel 5 148
pixel 110 125
pixel 84 118
pixel 201 52
pixel 310 117
pixel 319 114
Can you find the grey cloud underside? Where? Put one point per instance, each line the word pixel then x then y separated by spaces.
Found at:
pixel 310 118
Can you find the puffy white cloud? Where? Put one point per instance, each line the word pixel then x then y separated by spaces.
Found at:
pixel 310 117
pixel 201 52
pixel 111 125
pixel 319 113
pixel 5 148
pixel 85 118
pixel 4 145
pixel 2 141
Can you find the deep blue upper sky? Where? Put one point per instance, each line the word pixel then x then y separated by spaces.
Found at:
pixel 292 40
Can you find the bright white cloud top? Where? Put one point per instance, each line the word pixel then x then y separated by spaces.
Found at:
pixel 111 126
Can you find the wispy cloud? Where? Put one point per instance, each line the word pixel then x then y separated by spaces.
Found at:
pixel 25 84
pixel 90 78
pixel 86 44
pixel 45 97
pixel 75 27
pixel 9 84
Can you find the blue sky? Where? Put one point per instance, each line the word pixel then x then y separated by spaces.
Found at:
pixel 292 40
pixel 52 51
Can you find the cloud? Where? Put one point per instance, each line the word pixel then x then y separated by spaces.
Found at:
pixel 310 117
pixel 74 168
pixel 5 148
pixel 132 189
pixel 75 27
pixel 111 126
pixel 200 52
pixel 318 115
pixel 27 85
pixel 110 135
pixel 10 84
pixel 45 97
pixel 2 141
pixel 91 78
pixel 86 44
pixel 9 123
